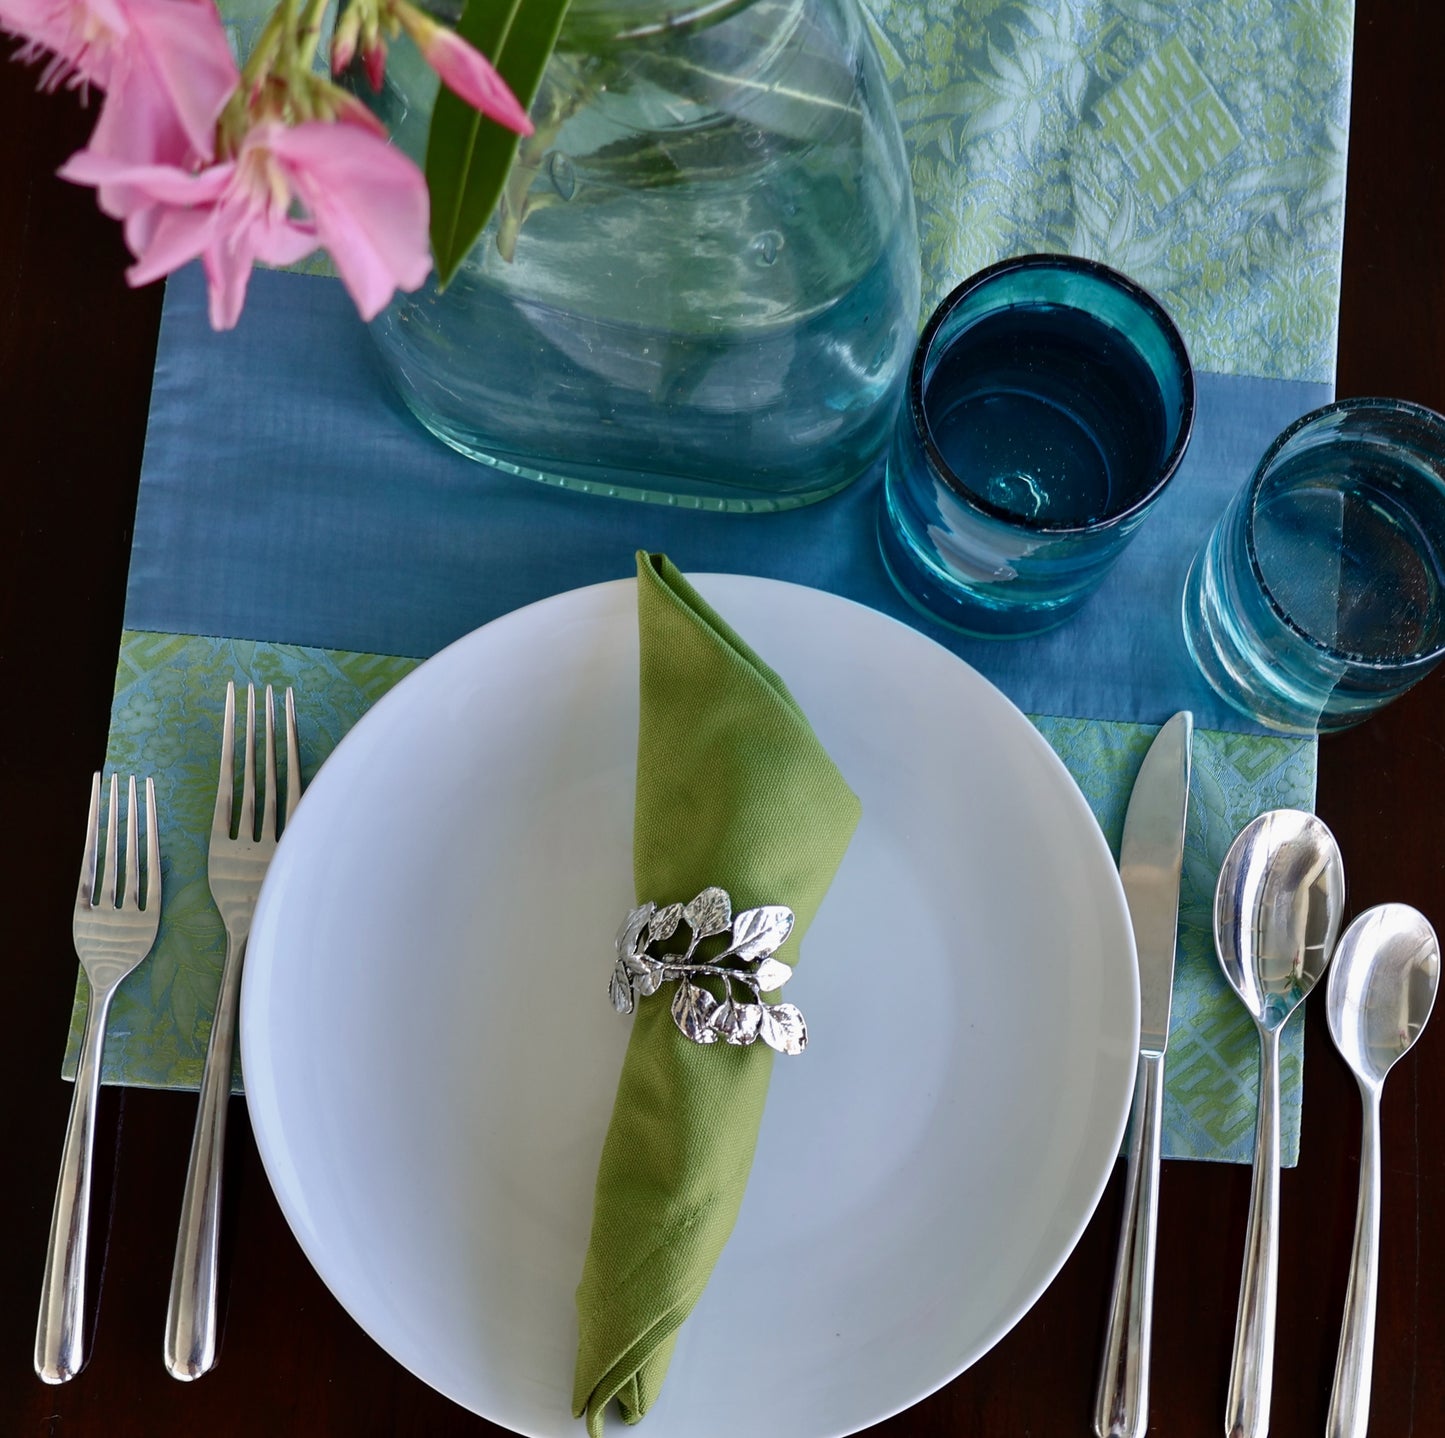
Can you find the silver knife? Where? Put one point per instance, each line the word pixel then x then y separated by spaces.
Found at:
pixel 1150 860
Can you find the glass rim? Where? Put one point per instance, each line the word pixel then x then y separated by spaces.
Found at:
pixel 1363 404
pixel 1136 294
pixel 596 18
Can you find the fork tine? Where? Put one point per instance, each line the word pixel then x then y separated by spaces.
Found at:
pixel 225 788
pixel 247 826
pixel 85 895
pixel 293 757
pixel 270 819
pixel 112 857
pixel 110 943
pixel 153 853
pixel 132 871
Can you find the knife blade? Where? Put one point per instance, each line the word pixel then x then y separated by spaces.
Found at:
pixel 1151 859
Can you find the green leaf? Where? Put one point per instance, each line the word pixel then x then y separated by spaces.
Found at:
pixel 469 156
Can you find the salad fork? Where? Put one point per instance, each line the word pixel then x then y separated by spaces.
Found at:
pixel 113 933
pixel 235 869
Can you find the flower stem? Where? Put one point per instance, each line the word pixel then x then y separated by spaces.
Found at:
pixel 308 36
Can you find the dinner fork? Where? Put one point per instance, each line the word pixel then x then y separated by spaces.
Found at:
pixel 235 869
pixel 113 932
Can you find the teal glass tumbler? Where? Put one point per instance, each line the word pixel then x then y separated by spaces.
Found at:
pixel 1320 594
pixel 1049 402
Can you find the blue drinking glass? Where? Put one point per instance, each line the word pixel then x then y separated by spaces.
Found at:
pixel 1320 595
pixel 1049 402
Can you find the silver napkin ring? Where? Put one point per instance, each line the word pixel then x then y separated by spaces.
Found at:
pixel 745 963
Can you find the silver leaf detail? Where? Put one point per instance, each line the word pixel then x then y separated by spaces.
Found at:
pixel 783 1028
pixel 620 990
pixel 753 936
pixel 692 1006
pixel 663 924
pixel 632 927
pixel 710 913
pixel 772 974
pixel 760 932
pixel 737 1023
pixel 636 963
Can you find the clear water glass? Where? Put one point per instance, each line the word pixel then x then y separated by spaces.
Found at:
pixel 1320 595
pixel 1049 402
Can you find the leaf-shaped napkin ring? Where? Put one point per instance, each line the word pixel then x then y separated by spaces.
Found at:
pixel 747 961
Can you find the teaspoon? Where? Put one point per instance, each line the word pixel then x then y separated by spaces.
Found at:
pixel 1276 915
pixel 1381 990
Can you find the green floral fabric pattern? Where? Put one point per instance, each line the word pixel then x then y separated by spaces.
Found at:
pixel 1200 149
pixel 166 722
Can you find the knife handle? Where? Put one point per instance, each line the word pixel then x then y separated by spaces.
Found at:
pixel 1121 1405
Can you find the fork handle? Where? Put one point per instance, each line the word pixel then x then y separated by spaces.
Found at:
pixel 191 1321
pixel 60 1328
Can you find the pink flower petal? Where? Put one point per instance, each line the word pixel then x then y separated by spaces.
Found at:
pixel 158 184
pixel 170 57
pixel 177 238
pixel 137 125
pixel 470 74
pixel 228 262
pixel 368 203
pixel 187 59
pixel 250 223
pixel 60 26
pixel 351 111
pixel 227 273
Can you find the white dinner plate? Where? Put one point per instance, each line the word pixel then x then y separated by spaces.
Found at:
pixel 430 1053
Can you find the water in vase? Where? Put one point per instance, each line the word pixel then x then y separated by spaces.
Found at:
pixel 708 290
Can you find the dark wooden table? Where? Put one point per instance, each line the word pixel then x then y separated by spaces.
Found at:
pixel 76 351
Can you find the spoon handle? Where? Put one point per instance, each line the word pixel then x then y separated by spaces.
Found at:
pixel 1354 1366
pixel 1121 1404
pixel 1251 1374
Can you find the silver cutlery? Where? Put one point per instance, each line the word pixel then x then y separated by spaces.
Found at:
pixel 1151 858
pixel 1382 987
pixel 114 928
pixel 235 869
pixel 1276 916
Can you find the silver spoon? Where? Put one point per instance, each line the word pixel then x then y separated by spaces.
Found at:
pixel 1276 915
pixel 1381 991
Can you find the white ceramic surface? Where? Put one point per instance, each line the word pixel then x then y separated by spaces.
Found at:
pixel 430 1053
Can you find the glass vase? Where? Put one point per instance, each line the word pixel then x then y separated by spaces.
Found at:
pixel 702 285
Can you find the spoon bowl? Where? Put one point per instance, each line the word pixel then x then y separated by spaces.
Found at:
pixel 1276 914
pixel 1277 911
pixel 1382 988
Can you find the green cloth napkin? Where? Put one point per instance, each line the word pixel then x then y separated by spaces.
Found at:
pixel 733 790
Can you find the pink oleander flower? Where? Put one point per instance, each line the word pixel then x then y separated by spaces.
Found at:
pixel 164 65
pixel 357 196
